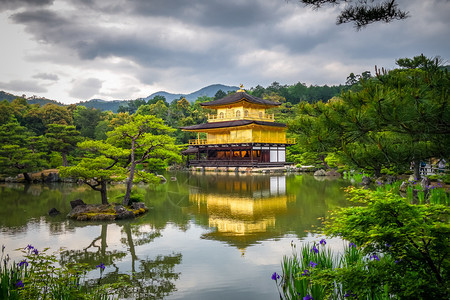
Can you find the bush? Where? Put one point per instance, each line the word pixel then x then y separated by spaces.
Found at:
pixel 403 252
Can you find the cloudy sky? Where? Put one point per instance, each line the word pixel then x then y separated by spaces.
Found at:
pixel 72 50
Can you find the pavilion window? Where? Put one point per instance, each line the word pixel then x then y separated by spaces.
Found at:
pixel 238 114
pixel 221 115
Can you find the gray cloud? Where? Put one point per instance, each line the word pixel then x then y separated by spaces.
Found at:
pixel 182 44
pixel 14 4
pixel 23 86
pixel 85 88
pixel 46 76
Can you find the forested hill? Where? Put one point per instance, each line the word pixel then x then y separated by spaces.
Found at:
pixel 209 91
pixel 277 92
pixel 31 100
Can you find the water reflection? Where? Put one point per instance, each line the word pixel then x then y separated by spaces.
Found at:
pixel 242 208
pixel 190 243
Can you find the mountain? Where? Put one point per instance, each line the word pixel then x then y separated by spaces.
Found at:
pixel 208 91
pixel 31 100
pixel 113 105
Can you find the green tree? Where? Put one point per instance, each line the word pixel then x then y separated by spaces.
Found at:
pixel 56 114
pixel 99 166
pixel 63 139
pixel 415 236
pixel 20 151
pixel 86 120
pixel 390 120
pixel 219 95
pixel 145 137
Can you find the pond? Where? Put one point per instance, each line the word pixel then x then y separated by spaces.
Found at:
pixel 206 236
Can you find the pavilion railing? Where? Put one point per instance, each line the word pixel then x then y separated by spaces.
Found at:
pixel 290 141
pixel 232 116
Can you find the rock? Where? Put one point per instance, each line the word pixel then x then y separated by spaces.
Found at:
pixel 77 211
pixel 53 212
pixel 333 173
pixel 52 177
pixel 163 179
pixel 425 183
pixel 173 178
pixel 123 213
pixel 403 187
pixel 320 172
pixel 138 205
pixel 76 203
pixel 411 178
pixel 366 181
pixel 390 179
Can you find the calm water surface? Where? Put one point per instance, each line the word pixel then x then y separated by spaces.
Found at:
pixel 206 236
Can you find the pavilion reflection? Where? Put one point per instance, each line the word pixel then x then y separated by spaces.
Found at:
pixel 243 209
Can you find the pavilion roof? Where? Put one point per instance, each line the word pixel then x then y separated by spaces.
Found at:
pixel 236 123
pixel 239 96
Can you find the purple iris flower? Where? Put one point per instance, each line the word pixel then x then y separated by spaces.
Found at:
pixel 29 247
pixel 35 251
pixel 305 273
pixel 374 257
pixel 352 245
pixel 312 264
pixel 19 284
pixel 101 266
pixel 308 297
pixel 23 262
pixel 275 276
pixel 314 249
pixel 323 242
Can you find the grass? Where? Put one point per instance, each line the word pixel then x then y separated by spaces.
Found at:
pixel 38 276
pixel 316 271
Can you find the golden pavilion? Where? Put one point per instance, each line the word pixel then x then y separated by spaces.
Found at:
pixel 240 134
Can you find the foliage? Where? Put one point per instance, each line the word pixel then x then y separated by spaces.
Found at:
pixel 388 121
pixel 20 151
pixel 99 166
pixel 363 13
pixel 402 253
pixel 38 276
pixel 145 138
pixel 63 139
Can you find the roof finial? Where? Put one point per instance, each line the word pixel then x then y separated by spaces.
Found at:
pixel 241 90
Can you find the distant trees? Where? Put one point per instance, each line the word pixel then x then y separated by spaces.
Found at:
pixel 391 120
pixel 63 139
pixel 20 151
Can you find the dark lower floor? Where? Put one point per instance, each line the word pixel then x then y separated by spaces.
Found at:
pixel 243 155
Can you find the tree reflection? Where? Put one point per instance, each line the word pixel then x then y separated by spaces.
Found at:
pixel 150 278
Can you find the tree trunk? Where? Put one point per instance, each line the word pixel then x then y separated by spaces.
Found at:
pixel 377 172
pixel 126 199
pixel 417 169
pixel 325 165
pixel 27 177
pixel 64 159
pixel 103 192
